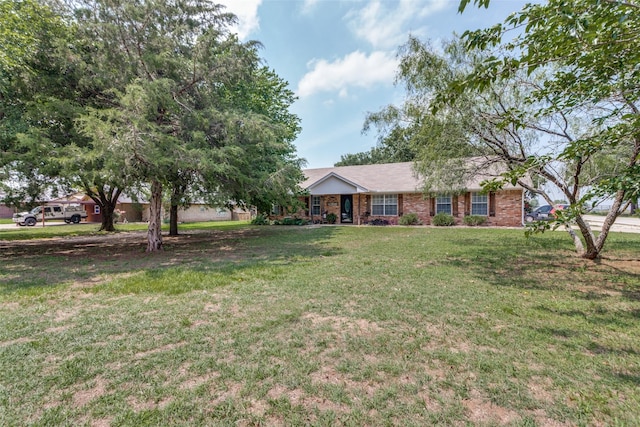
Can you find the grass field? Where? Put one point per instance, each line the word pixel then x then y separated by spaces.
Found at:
pixel 245 325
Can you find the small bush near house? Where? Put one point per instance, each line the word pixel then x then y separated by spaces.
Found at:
pixel 260 219
pixel 332 218
pixel 291 221
pixel 475 220
pixel 378 221
pixel 443 220
pixel 410 219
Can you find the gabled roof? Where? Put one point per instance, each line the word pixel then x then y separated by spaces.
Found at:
pixel 333 175
pixel 394 177
pixel 381 178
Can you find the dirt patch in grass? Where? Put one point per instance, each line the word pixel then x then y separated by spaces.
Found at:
pixel 146 405
pixel 481 411
pixel 21 340
pixel 95 390
pixel 359 326
pixel 162 349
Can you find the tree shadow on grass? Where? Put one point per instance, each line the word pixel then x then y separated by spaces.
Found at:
pixel 89 260
pixel 630 378
pixel 548 264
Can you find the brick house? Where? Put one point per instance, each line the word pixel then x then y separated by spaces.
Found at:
pixel 359 194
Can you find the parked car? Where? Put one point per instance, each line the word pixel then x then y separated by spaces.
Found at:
pixel 558 208
pixel 67 213
pixel 544 213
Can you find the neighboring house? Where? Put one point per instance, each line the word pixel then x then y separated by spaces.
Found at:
pixel 132 210
pixel 5 211
pixel 199 211
pixel 359 194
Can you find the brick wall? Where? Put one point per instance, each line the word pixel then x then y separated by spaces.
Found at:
pixel 417 204
pixel 508 209
pixel 6 211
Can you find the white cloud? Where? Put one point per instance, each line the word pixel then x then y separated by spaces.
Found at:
pixel 356 69
pixel 308 6
pixel 387 24
pixel 247 13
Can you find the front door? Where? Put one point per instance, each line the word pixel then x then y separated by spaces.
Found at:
pixel 346 208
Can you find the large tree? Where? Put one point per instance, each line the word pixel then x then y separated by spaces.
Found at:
pixel 181 114
pixel 556 104
pixel 587 53
pixel 32 74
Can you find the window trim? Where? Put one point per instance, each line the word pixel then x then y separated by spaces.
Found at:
pixel 439 203
pixel 484 203
pixel 389 204
pixel 315 208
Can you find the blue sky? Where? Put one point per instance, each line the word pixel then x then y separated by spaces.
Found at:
pixel 339 57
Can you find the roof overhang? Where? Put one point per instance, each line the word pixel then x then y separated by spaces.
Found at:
pixel 333 183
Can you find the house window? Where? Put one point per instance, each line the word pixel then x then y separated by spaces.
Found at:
pixel 443 204
pixel 96 209
pixel 315 205
pixel 276 210
pixel 479 204
pixel 384 204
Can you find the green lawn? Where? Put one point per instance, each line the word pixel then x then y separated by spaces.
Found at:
pixel 91 229
pixel 328 326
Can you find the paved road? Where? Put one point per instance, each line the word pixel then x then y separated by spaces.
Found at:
pixel 624 224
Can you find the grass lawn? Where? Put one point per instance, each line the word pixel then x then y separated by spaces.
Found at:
pixel 375 326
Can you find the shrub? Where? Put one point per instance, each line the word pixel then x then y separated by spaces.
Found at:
pixel 260 219
pixel 332 218
pixel 378 221
pixel 291 221
pixel 410 219
pixel 443 220
pixel 473 220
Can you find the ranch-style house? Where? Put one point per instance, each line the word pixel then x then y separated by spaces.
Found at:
pixel 360 194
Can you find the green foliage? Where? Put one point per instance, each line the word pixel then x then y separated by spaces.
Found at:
pixel 261 219
pixel 394 147
pixel 583 55
pixel 410 219
pixel 552 95
pixel 443 220
pixel 291 221
pixel 144 92
pixel 475 220
pixel 332 218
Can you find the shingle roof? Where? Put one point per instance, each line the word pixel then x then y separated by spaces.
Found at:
pixel 394 177
pixel 389 177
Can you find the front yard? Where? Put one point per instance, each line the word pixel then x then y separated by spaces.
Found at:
pixel 247 325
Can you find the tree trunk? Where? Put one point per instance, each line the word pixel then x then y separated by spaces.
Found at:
pixel 576 240
pixel 591 251
pixel 611 217
pixel 107 210
pixel 107 199
pixel 173 220
pixel 154 233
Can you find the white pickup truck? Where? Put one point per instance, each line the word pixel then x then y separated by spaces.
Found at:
pixel 67 213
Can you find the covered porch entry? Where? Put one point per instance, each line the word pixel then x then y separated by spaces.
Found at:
pixel 335 195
